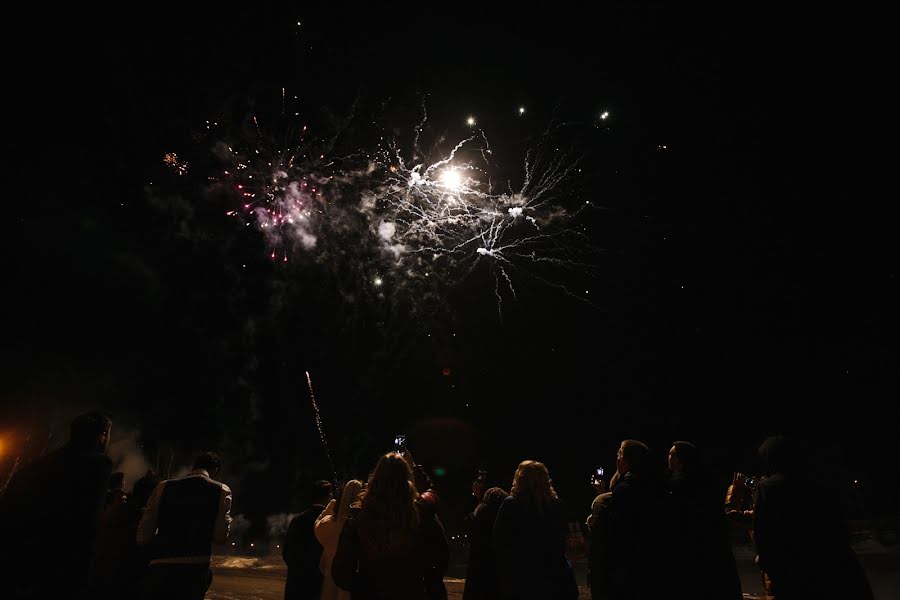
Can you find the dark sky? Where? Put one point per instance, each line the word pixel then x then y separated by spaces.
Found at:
pixel 746 284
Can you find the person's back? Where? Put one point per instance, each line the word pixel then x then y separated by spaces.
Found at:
pixel 482 572
pixel 391 548
pixel 636 527
pixel 700 554
pixel 50 512
pixel 803 543
pixel 187 514
pixel 530 538
pixel 182 520
pixel 302 552
pixel 396 566
pixel 119 563
pixel 328 529
pixel 600 562
pixel 531 544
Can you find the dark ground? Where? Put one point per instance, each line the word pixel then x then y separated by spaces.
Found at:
pixel 267 583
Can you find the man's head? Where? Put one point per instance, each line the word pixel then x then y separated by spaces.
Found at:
pixel 494 496
pixel 682 457
pixel 320 492
pixel 90 431
pixel 632 457
pixel 209 462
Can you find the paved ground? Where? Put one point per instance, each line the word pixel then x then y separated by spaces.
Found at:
pixel 264 580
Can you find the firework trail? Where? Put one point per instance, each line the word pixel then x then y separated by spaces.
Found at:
pixel 324 441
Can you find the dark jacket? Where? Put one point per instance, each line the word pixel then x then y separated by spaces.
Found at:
pixel 406 567
pixel 482 573
pixel 48 523
pixel 701 556
pixel 302 553
pixel 802 542
pixel 531 546
pixel 600 555
pixel 637 538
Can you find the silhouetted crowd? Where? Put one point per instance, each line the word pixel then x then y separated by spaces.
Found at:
pixel 68 529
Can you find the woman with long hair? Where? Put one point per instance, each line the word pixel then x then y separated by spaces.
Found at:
pixel 390 549
pixel 530 537
pixel 328 530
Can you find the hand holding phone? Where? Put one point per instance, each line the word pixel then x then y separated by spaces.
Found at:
pixel 597 480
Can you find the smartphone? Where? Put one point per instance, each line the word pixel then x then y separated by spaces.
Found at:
pixel 597 477
pixel 400 443
pixel 750 482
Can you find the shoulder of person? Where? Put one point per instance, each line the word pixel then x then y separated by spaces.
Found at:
pixel 220 484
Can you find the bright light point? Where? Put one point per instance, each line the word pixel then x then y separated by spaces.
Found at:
pixel 470 121
pixel 515 211
pixel 604 115
pixel 378 281
pixel 521 110
pixel 451 179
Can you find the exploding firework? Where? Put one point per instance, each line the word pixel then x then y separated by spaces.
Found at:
pixel 447 214
pixel 171 160
pixel 407 218
pixel 280 189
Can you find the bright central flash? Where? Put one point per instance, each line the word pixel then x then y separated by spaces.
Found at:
pixel 452 180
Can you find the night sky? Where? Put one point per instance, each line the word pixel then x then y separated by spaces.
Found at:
pixel 744 281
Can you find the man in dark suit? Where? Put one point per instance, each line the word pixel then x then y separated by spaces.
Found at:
pixel 302 551
pixel 50 512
